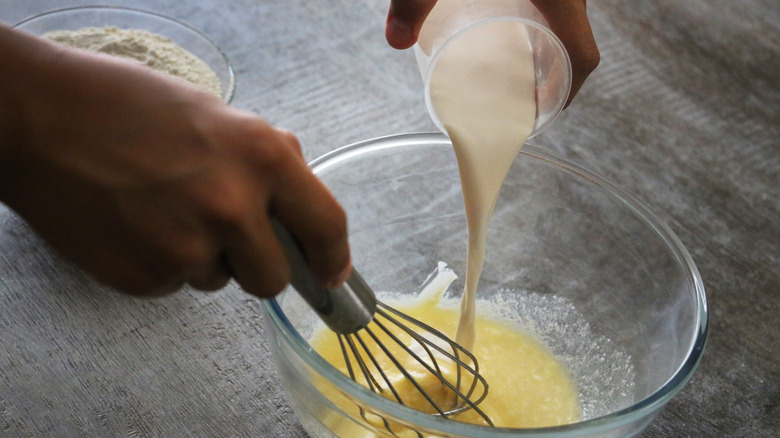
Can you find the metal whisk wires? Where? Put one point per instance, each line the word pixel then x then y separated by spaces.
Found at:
pixel 388 351
pixel 414 364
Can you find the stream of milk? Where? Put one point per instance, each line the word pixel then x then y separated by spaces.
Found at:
pixel 483 90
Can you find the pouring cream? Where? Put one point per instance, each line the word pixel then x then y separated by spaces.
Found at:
pixel 483 91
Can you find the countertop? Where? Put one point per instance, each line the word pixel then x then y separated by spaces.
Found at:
pixel 683 113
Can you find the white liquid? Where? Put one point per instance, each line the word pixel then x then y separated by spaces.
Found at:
pixel 483 91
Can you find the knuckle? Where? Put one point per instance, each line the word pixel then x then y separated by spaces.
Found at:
pixel 173 264
pixel 268 285
pixel 587 60
pixel 290 140
pixel 228 210
pixel 276 285
pixel 334 228
pixel 226 203
pixel 279 156
pixel 158 269
pixel 186 257
pixel 268 148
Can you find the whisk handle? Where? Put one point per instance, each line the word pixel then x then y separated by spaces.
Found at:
pixel 345 309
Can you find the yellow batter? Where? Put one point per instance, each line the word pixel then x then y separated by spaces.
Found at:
pixel 528 387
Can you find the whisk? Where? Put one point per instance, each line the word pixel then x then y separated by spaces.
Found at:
pixel 388 351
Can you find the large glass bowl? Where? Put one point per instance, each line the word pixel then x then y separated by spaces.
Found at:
pixel 605 285
pixel 186 36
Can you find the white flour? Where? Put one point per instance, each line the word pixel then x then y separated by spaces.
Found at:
pixel 149 49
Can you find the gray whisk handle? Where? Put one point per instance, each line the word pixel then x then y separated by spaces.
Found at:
pixel 345 309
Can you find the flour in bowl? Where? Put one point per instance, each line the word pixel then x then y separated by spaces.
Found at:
pixel 152 50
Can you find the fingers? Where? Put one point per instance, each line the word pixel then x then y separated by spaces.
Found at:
pixel 404 21
pixel 275 181
pixel 310 212
pixel 258 262
pixel 568 19
pixel 212 277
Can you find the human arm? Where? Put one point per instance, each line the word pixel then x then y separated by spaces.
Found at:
pixel 147 183
pixel 568 19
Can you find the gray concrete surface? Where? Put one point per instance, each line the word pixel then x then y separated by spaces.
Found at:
pixel 683 113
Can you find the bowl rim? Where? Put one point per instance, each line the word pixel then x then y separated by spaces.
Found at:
pixel 643 408
pixel 230 89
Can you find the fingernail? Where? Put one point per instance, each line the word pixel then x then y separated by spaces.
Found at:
pixel 399 33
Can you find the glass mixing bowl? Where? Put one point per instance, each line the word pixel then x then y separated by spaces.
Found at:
pixel 594 274
pixel 186 36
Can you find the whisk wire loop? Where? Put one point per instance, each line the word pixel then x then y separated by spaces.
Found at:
pixel 403 369
pixel 377 367
pixel 426 345
pixel 452 356
pixel 429 350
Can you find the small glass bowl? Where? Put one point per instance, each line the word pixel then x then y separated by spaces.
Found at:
pixel 604 283
pixel 186 36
